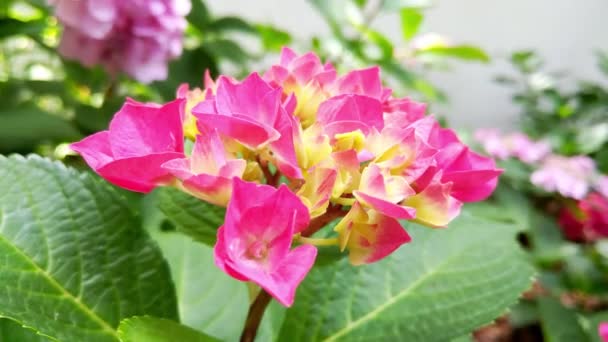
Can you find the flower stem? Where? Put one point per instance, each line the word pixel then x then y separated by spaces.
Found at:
pixel 254 316
pixel 332 213
pixel 319 242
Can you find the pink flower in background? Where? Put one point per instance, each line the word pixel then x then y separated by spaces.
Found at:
pixel 255 241
pixel 586 220
pixel 516 145
pixel 138 37
pixel 141 138
pixel 603 331
pixel 570 176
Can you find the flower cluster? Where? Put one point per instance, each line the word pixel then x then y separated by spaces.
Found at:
pixel 287 153
pixel 585 220
pixel 137 37
pixel 514 145
pixel 572 177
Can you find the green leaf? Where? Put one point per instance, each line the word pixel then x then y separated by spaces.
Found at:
pixel 22 129
pixel 272 38
pixel 75 261
pixel 442 285
pixel 592 325
pixel 411 19
pixel 199 15
pixel 225 24
pixel 13 331
pixel 209 300
pixel 559 323
pixel 189 68
pixel 10 27
pixel 395 5
pixel 152 329
pixel 227 49
pixel 464 52
pixel 191 216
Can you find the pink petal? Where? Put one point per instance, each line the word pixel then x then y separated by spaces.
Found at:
pixel 384 236
pixel 95 149
pixel 363 82
pixel 385 207
pixel 140 174
pixel 139 129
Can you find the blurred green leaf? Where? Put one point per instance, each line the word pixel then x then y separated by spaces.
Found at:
pixel 592 138
pixel 395 5
pixel 228 50
pixel 225 24
pixel 526 61
pixel 199 15
pixel 10 27
pixel 152 329
pixel 593 323
pixel 602 61
pixel 189 68
pixel 25 127
pixel 380 41
pixel 464 52
pixel 273 39
pixel 559 324
pixel 411 19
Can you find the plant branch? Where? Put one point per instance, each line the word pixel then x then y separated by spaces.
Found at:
pixel 254 316
pixel 332 213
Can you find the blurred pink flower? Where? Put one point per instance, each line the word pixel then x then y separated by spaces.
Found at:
pixel 587 220
pixel 516 145
pixel 601 185
pixel 603 331
pixel 137 37
pixel 570 176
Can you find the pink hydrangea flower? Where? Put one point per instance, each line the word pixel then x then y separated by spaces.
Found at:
pixel 141 138
pixel 587 220
pixel 327 146
pixel 516 145
pixel 137 37
pixel 570 176
pixel 254 242
pixel 603 331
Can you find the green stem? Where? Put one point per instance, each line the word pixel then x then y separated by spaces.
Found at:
pixel 318 241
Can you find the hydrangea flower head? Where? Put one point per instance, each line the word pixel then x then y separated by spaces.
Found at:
pixel 137 37
pixel 291 151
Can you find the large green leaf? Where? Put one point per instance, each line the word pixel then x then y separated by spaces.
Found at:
pixel 209 300
pixel 75 260
pixel 190 215
pixel 13 331
pixel 152 329
pixel 442 285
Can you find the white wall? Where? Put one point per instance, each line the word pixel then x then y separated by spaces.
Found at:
pixel 565 32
